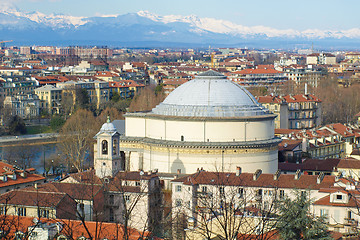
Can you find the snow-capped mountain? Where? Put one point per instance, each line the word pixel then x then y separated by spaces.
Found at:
pixel 36 27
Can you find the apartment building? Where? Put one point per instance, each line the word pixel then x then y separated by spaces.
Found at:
pixel 125 88
pixel 50 98
pixel 300 75
pixel 294 111
pixel 330 141
pixel 13 178
pixel 258 77
pixel 24 105
pixel 203 195
pixel 321 58
pixel 98 91
pixel 36 204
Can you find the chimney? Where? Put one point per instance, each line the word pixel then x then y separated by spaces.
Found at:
pixel 306 90
pixel 297 174
pixel 277 174
pixel 238 171
pixel 257 174
pixel 320 178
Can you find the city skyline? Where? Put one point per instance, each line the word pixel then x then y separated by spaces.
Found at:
pixel 322 15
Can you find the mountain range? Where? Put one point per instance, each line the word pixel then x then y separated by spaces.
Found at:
pixel 146 29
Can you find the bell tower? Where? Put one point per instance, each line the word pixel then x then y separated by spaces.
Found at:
pixel 107 157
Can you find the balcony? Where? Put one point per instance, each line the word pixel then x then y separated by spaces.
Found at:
pixel 350 222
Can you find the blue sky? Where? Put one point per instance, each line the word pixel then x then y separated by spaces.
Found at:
pixel 281 14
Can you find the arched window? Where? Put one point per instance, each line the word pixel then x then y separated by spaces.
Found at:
pixel 182 138
pixel 104 148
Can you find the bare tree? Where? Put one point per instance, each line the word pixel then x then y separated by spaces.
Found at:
pixel 146 100
pixel 76 138
pixel 134 202
pixel 224 208
pixel 21 155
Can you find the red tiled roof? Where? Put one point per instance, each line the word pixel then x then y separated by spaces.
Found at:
pixel 75 228
pixel 258 71
pixel 7 169
pixel 83 191
pixel 285 131
pixel 264 180
pixel 325 201
pixel 288 145
pixel 32 198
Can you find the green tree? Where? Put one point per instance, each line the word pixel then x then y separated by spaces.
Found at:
pixel 82 98
pixel 115 97
pixel 296 222
pixel 16 125
pixel 56 122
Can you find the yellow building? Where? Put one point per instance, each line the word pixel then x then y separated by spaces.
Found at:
pixel 50 98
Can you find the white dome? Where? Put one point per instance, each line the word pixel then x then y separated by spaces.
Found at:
pixel 108 127
pixel 210 94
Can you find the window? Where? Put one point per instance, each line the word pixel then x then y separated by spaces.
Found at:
pixel 222 190
pixel 241 192
pixel 182 138
pixel 178 188
pixel 178 202
pixel 282 194
pixel 137 183
pixel 2 210
pixel 104 145
pixel 111 199
pixel 44 213
pixel 114 147
pixel 339 197
pixel 259 192
pixel 111 215
pixel 127 198
pixel 204 189
pixel 21 211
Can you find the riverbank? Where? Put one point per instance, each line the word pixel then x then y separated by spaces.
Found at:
pixel 35 139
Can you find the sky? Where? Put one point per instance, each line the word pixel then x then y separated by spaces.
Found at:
pixel 280 14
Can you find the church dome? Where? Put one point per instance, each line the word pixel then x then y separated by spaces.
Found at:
pixel 108 127
pixel 210 94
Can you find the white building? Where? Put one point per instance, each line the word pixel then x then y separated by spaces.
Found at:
pixel 209 122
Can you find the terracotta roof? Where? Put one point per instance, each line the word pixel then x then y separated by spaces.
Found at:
pixel 76 228
pixel 264 180
pixel 288 145
pixel 327 165
pixel 258 71
pixel 355 152
pixel 32 198
pixel 85 177
pixel 301 98
pixel 268 99
pixel 83 191
pixel 125 84
pixel 325 201
pixel 291 167
pixel 7 169
pixel 349 163
pixel 285 131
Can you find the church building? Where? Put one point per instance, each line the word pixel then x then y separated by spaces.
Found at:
pixel 209 122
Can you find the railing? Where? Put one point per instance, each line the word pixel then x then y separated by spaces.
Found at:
pixel 350 222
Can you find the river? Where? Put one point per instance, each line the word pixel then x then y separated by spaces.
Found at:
pixel 34 153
